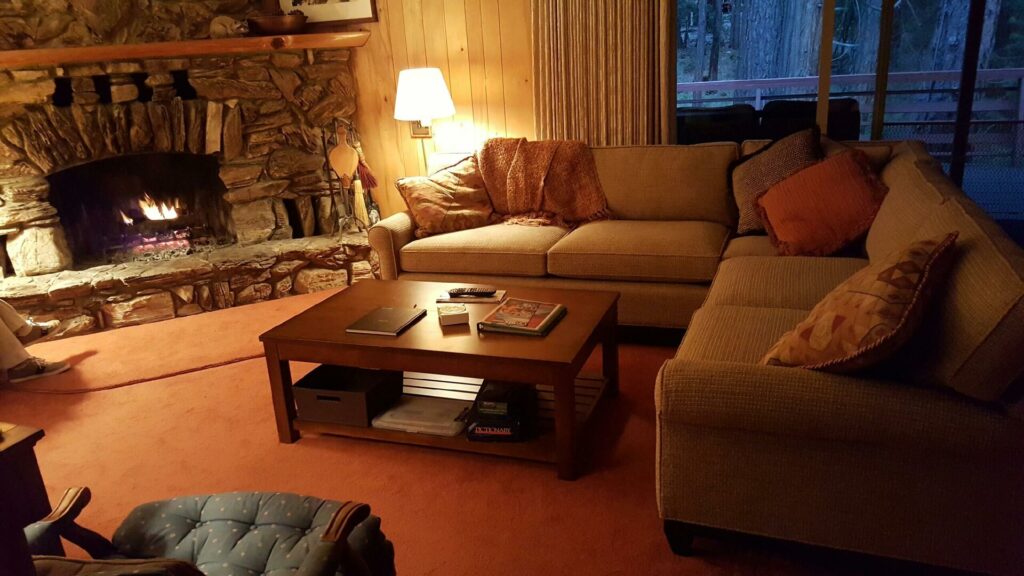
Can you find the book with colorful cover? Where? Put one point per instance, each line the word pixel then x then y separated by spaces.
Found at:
pixel 517 316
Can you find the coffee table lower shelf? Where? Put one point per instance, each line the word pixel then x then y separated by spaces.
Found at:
pixel 540 448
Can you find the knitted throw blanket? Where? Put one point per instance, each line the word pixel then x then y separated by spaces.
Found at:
pixel 551 182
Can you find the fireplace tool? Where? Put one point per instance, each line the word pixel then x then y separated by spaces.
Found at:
pixel 342 175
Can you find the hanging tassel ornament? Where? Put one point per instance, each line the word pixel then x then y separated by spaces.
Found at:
pixel 366 175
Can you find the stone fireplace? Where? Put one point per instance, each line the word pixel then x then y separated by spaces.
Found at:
pixel 145 207
pixel 135 191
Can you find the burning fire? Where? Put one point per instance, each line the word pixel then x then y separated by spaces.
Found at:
pixel 126 218
pixel 159 211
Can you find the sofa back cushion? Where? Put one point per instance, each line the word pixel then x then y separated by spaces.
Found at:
pixel 668 182
pixel 879 151
pixel 971 340
pixel 917 188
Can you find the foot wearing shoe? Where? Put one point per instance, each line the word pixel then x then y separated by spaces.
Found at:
pixel 38 331
pixel 35 368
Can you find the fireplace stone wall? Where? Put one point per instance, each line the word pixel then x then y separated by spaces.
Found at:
pixel 268 119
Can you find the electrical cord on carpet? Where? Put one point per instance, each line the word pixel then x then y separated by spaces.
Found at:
pixel 33 390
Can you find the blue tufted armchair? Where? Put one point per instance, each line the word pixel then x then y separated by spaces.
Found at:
pixel 231 534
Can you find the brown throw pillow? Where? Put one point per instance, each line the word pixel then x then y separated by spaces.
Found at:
pixel 451 199
pixel 867 318
pixel 752 175
pixel 822 209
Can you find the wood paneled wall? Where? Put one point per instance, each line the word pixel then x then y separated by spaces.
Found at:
pixel 484 50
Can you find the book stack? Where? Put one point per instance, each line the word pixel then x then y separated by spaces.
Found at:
pixel 502 412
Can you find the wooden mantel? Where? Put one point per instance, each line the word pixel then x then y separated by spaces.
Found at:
pixel 43 57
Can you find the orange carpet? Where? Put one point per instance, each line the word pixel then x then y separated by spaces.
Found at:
pixel 124 356
pixel 448 513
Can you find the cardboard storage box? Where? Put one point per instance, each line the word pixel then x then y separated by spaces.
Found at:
pixel 342 395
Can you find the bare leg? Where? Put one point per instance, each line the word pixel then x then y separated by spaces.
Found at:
pixel 12 352
pixel 14 322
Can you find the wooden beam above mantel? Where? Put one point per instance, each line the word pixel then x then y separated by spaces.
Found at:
pixel 45 57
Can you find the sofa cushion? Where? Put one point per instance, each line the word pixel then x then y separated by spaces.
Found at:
pixel 869 413
pixel 973 340
pixel 667 182
pixel 451 199
pixel 795 282
pixel 824 208
pixel 917 188
pixel 755 174
pixel 879 151
pixel 735 333
pixel 497 249
pixel 870 316
pixel 685 251
pixel 749 246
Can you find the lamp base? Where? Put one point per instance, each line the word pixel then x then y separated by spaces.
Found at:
pixel 418 130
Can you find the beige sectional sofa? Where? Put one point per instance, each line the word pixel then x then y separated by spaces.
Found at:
pixel 920 459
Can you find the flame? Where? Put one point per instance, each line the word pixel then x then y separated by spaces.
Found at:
pixel 159 211
pixel 126 218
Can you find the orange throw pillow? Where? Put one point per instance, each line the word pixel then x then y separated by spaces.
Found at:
pixel 822 209
pixel 449 200
pixel 867 318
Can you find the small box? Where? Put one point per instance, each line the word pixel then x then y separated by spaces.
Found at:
pixel 343 395
pixel 452 314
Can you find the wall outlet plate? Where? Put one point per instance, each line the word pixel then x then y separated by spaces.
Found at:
pixel 418 130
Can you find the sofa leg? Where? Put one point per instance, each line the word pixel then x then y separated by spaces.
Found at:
pixel 680 537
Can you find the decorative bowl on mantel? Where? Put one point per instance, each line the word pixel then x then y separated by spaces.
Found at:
pixel 274 25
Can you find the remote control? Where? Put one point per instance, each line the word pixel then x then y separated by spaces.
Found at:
pixel 467 292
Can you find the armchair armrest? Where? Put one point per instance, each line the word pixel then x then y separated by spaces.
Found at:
pixel 811 404
pixel 387 238
pixel 44 536
pixel 333 551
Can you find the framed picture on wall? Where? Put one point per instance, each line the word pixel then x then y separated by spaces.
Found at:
pixel 333 11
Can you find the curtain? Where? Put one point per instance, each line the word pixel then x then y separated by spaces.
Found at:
pixel 604 70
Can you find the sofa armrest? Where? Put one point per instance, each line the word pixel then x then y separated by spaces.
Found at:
pixel 818 405
pixel 333 552
pixel 44 536
pixel 387 238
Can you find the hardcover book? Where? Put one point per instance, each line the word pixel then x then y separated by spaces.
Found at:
pixel 527 317
pixel 386 321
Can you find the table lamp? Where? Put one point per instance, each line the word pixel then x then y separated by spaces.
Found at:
pixel 422 97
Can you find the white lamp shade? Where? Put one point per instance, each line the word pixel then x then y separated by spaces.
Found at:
pixel 422 95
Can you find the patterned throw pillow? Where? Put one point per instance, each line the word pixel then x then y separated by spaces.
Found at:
pixel 867 318
pixel 824 208
pixel 449 200
pixel 752 175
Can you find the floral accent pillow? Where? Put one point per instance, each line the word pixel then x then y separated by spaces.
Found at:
pixel 867 318
pixel 449 200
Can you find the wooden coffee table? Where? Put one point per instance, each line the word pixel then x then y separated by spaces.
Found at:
pixel 552 362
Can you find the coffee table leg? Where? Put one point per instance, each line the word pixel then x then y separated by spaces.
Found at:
pixel 281 392
pixel 565 428
pixel 610 352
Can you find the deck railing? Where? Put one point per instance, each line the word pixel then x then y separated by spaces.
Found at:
pixel 920 105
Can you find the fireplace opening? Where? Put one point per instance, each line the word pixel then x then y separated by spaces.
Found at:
pixel 141 207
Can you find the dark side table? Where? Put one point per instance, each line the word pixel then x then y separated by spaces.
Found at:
pixel 22 493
